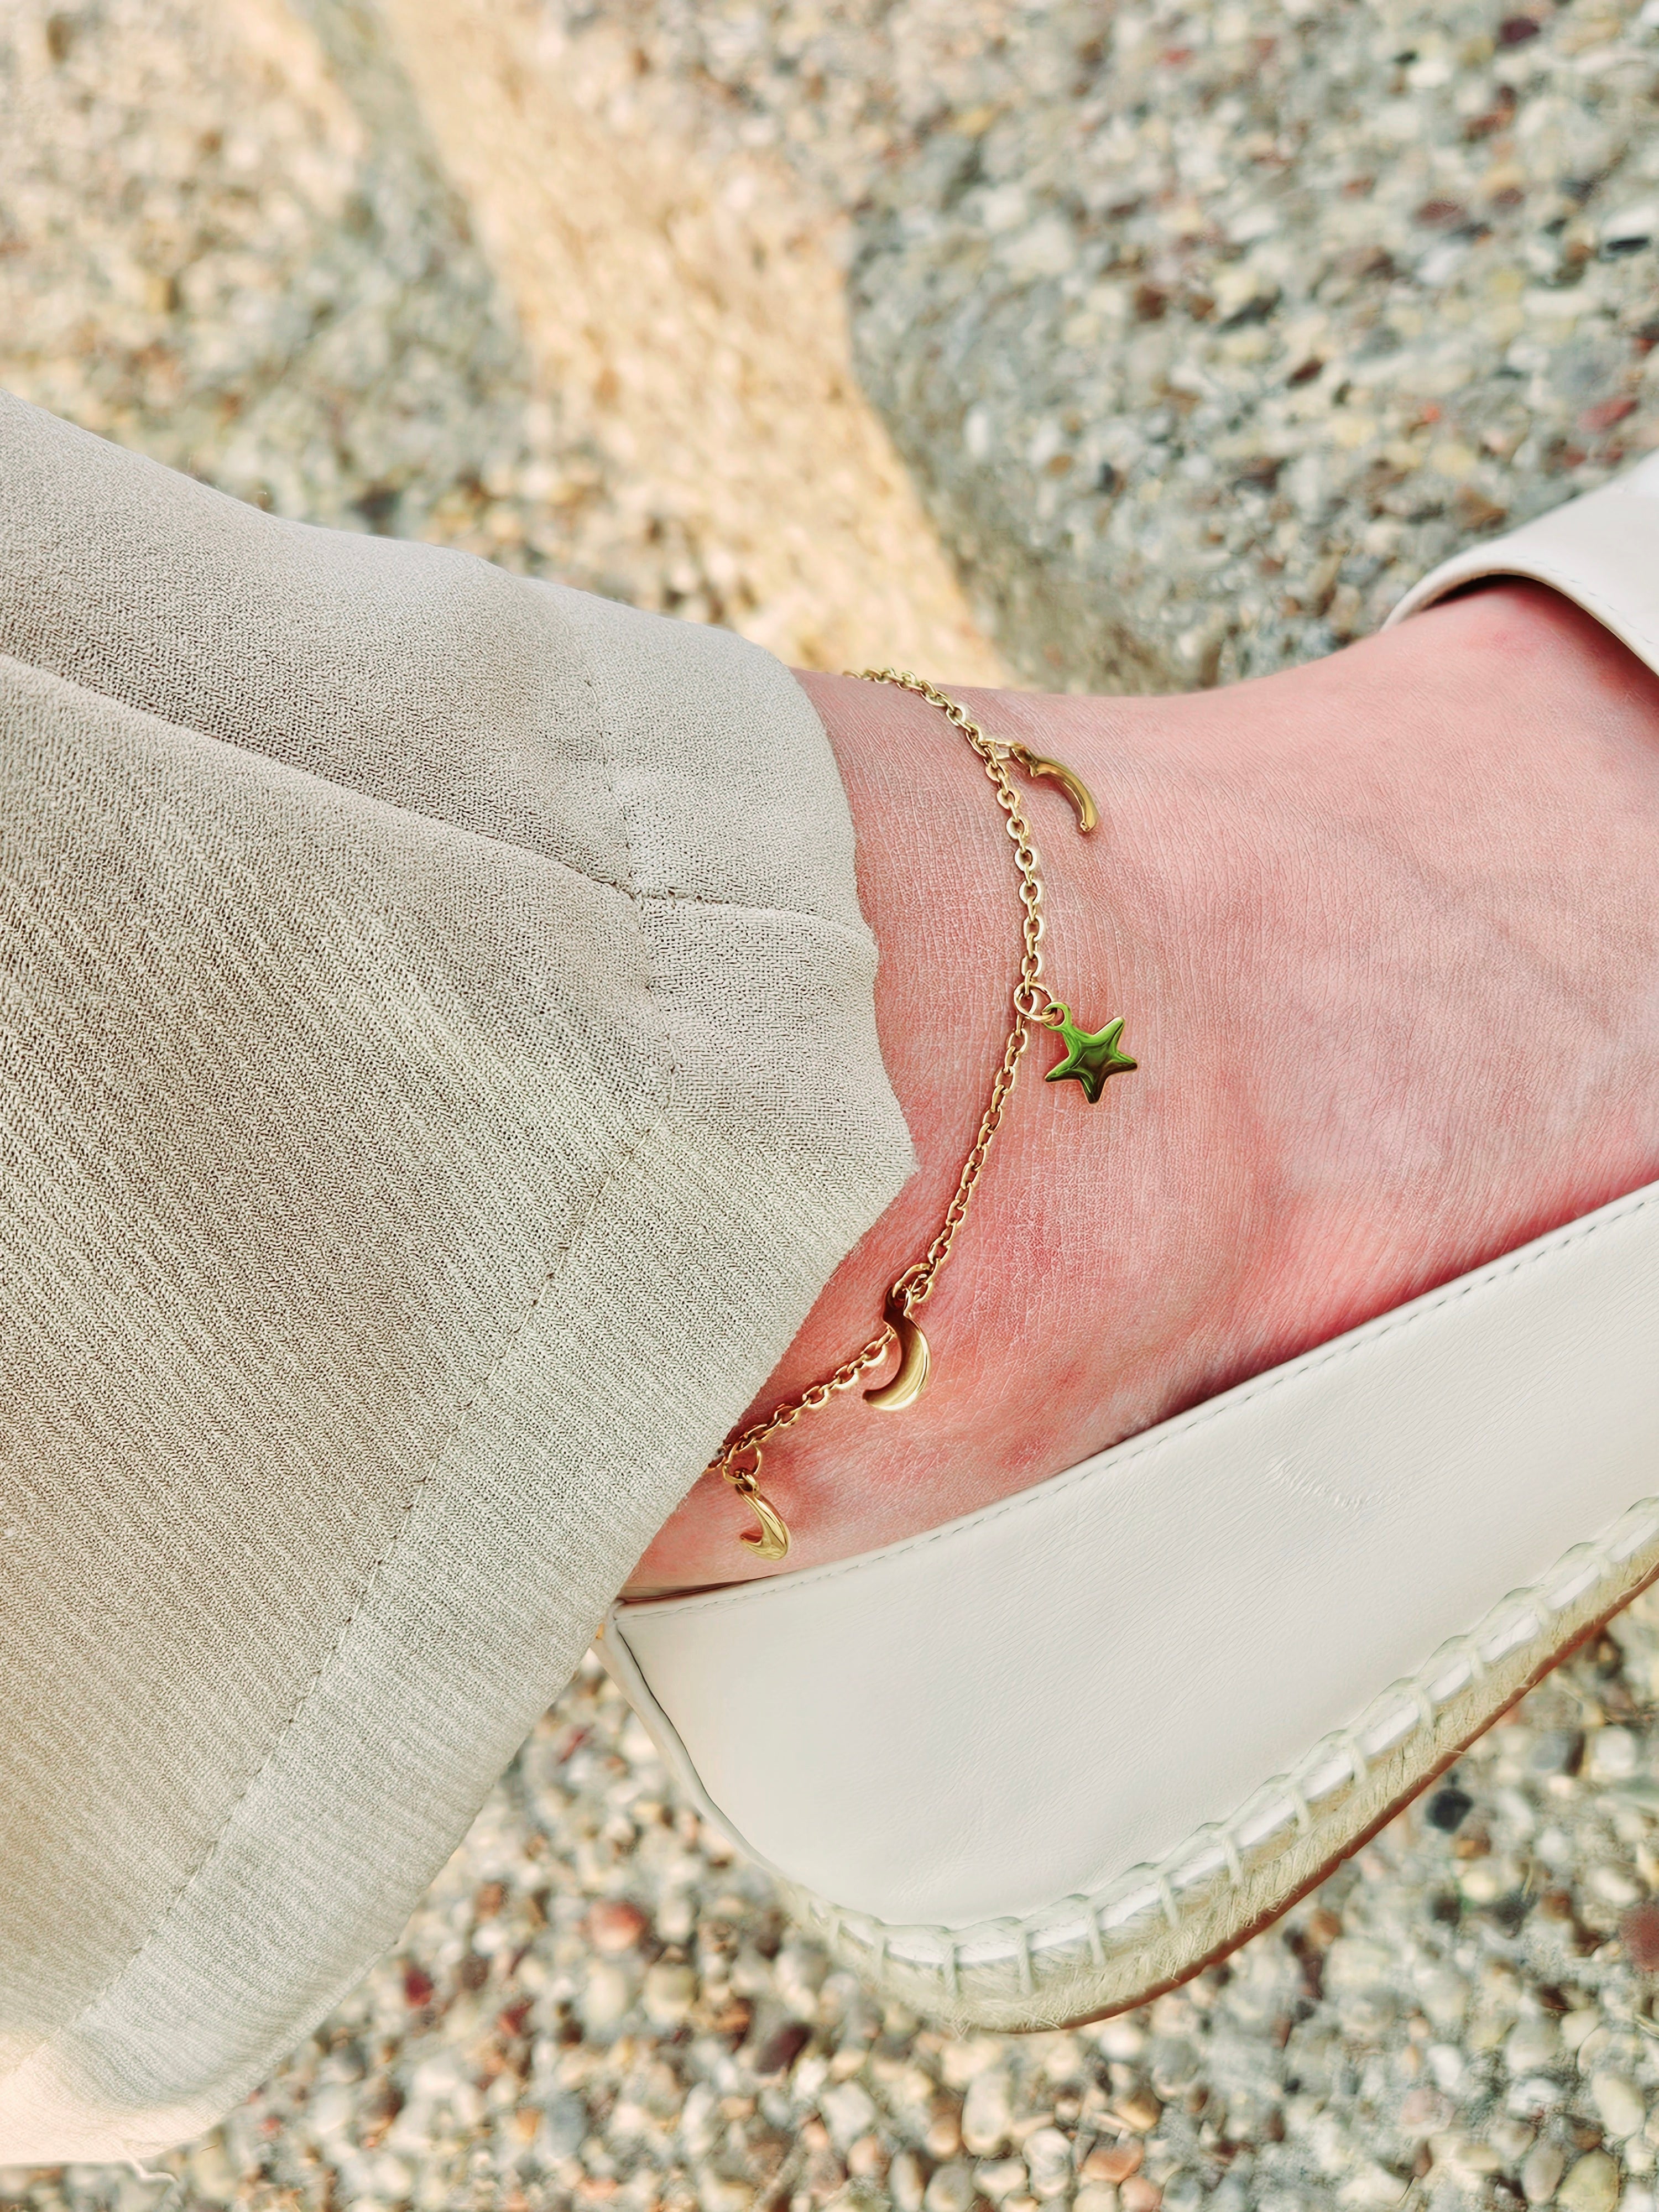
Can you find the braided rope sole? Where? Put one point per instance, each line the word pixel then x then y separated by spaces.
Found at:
pixel 1155 1926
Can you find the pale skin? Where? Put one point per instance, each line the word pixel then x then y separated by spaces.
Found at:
pixel 1384 930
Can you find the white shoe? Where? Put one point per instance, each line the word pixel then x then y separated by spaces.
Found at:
pixel 1053 1757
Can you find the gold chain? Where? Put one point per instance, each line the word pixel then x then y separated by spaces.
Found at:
pixel 740 1459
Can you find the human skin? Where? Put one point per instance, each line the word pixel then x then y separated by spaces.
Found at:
pixel 1384 930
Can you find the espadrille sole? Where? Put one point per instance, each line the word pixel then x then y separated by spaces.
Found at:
pixel 1085 1957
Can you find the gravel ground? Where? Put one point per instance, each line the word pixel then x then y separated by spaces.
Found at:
pixel 254 243
pixel 597 2005
pixel 223 245
pixel 1229 319
pixel 1242 334
pixel 233 234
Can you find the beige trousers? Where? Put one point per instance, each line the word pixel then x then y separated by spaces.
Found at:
pixel 439 1071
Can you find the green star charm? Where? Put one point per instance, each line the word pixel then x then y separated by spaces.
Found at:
pixel 1089 1058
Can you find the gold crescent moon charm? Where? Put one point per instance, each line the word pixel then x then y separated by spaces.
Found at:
pixel 772 1541
pixel 914 1362
pixel 1082 798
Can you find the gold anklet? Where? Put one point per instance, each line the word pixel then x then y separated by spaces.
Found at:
pixel 1091 1056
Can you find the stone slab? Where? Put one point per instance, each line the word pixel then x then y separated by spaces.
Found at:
pixel 1207 328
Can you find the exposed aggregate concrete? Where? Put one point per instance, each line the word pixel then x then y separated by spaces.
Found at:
pixel 1208 328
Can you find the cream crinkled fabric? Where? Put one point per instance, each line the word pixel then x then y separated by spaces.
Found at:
pixel 438 1072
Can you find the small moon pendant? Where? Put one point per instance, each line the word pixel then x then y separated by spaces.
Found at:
pixel 1082 798
pixel 772 1541
pixel 914 1363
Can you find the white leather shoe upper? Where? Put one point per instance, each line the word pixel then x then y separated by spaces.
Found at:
pixel 1601 550
pixel 1019 1707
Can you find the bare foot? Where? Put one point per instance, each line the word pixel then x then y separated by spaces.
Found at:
pixel 1385 933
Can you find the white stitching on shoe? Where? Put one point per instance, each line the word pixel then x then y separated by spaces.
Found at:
pixel 1027 1974
pixel 1286 1799
pixel 1207 1860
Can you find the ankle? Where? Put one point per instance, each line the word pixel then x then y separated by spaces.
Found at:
pixel 1383 933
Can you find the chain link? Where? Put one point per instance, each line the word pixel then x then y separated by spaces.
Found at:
pixel 1032 1007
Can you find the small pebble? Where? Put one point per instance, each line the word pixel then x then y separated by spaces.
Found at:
pixel 1369 2185
pixel 998 2178
pixel 1173 2065
pixel 952 2188
pixel 1448 2065
pixel 1511 2139
pixel 1616 1884
pixel 1423 2111
pixel 1445 1810
pixel 614 1925
pixel 1123 2038
pixel 605 1997
pixel 1445 1996
pixel 1463 2155
pixel 1639 1932
pixel 1531 2045
pixel 670 1993
pixel 211 2174
pixel 1619 2103
pixel 1540 2172
pixel 960 2062
pixel 717 2192
pixel 907 2178
pixel 780 2050
pixel 1558 1750
pixel 1355 1963
pixel 943 2136
pixel 1591 2185
pixel 1614 1753
pixel 865 2158
pixel 987 2112
pixel 1048 2160
pixel 849 2111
